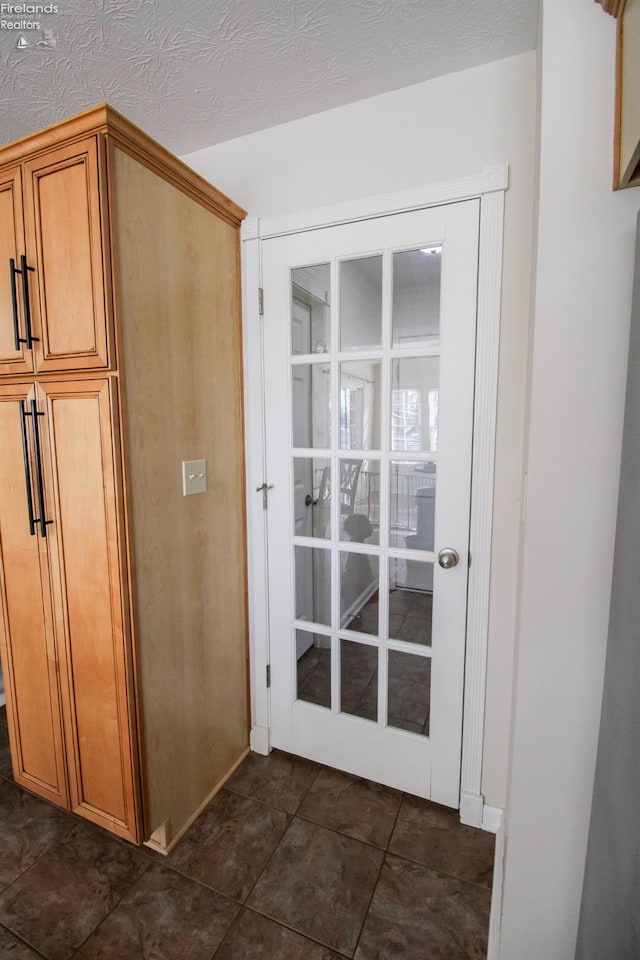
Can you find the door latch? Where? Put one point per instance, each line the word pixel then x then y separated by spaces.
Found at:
pixel 264 489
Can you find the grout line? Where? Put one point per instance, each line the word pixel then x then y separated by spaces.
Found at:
pixel 54 843
pixel 307 819
pixel 443 873
pixel 248 796
pixel 321 767
pixel 305 936
pixel 421 863
pixel 98 925
pixel 341 833
pixel 395 822
pixel 20 939
pixel 268 860
pixel 373 893
pixel 114 907
pixel 375 886
pixel 233 924
pixel 161 861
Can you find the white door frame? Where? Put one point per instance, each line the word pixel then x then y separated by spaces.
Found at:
pixel 489 187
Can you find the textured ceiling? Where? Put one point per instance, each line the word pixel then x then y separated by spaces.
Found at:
pixel 193 73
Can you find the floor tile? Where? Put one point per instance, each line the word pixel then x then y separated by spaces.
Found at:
pixel 5 753
pixel 319 883
pixel 165 915
pixel 28 828
pixel 60 900
pixel 419 913
pixel 433 835
pixel 280 779
pixel 358 808
pixel 229 844
pixel 13 949
pixel 254 937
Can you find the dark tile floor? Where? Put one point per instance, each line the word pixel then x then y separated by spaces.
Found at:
pixel 291 861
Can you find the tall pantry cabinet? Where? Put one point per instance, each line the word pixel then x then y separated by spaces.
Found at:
pixel 122 601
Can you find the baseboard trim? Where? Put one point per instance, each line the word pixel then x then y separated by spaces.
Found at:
pixel 471 805
pixel 492 818
pixel 259 741
pixel 474 812
pixel 164 846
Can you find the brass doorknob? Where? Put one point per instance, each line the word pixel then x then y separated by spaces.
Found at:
pixel 448 558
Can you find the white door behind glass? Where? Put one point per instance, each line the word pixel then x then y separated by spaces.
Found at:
pixel 369 355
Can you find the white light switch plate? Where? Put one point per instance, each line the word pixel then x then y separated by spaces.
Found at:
pixel 194 477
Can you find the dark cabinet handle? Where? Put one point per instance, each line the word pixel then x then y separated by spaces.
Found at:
pixel 42 520
pixel 26 303
pixel 24 270
pixel 27 468
pixel 14 303
pixel 309 501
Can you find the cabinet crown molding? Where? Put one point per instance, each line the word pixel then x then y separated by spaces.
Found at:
pixel 614 7
pixel 104 119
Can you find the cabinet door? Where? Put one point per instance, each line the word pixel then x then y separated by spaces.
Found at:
pixel 80 447
pixel 66 246
pixel 27 638
pixel 15 354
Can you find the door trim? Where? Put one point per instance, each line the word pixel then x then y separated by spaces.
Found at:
pixel 489 187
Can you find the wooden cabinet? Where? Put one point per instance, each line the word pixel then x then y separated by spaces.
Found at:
pixel 15 358
pixel 76 432
pixel 123 622
pixel 54 301
pixel 64 242
pixel 30 663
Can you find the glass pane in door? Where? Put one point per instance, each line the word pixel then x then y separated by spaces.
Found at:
pixel 359 679
pixel 310 309
pixel 360 395
pixel 311 404
pixel 359 583
pixel 313 584
pixel 410 601
pixel 414 404
pixel 313 668
pixel 416 296
pixel 412 486
pixel 409 692
pixel 312 497
pixel 361 303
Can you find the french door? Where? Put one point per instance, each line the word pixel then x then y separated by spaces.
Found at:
pixel 369 347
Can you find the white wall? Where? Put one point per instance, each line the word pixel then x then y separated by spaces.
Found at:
pixel 446 128
pixel 581 325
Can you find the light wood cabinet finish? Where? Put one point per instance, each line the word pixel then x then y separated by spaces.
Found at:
pixel 137 638
pixel 31 663
pixel 64 244
pixel 50 209
pixel 14 359
pixel 84 545
pixel 183 399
